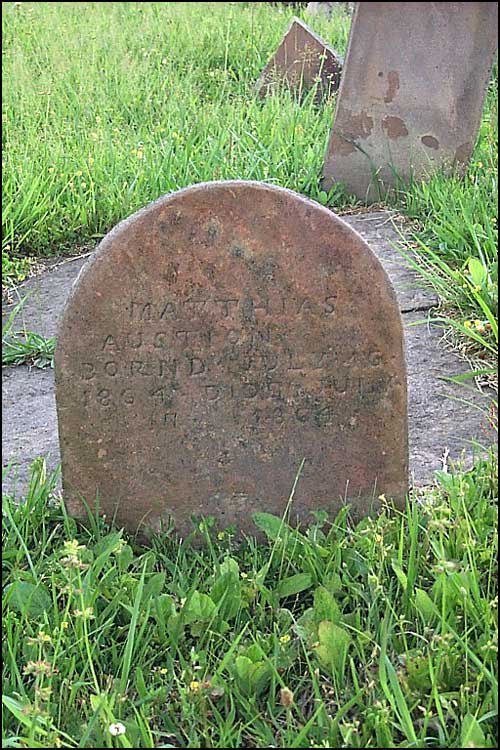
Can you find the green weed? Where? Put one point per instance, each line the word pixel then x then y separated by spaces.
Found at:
pixel 376 634
pixel 26 347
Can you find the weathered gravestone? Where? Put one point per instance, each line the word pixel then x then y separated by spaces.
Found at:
pixel 217 339
pixel 326 9
pixel 302 61
pixel 322 9
pixel 412 92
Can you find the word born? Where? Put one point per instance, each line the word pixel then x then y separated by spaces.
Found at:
pixel 192 366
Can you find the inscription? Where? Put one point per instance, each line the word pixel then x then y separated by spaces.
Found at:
pixel 166 419
pixel 254 403
pixel 244 308
pixel 234 356
pixel 233 361
pixel 107 397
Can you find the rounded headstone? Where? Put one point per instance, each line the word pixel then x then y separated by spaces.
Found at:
pixel 218 340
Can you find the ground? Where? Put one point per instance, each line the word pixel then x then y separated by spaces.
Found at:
pixel 381 633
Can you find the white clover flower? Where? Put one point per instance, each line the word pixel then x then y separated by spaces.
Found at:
pixel 116 729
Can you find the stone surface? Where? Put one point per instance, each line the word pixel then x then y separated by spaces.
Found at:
pixel 322 9
pixel 442 416
pixel 412 92
pixel 217 339
pixel 29 424
pixel 302 60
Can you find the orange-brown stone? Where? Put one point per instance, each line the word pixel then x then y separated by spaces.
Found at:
pixel 302 60
pixel 217 339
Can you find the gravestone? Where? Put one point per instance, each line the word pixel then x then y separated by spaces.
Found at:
pixel 301 61
pixel 412 93
pixel 321 9
pixel 326 9
pixel 217 339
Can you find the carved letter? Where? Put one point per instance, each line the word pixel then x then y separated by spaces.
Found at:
pixel 168 366
pixel 305 305
pixel 225 305
pixel 138 340
pixel 111 368
pixel 159 341
pixel 110 343
pixel 127 396
pixel 330 304
pixel 213 392
pixel 196 366
pixel 168 311
pixel 90 371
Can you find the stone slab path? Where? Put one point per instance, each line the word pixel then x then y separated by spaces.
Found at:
pixel 444 418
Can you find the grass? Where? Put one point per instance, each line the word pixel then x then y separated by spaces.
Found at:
pixel 29 349
pixel 25 347
pixel 376 634
pixel 456 238
pixel 87 143
pixel 143 99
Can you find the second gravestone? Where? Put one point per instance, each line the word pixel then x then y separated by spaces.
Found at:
pixel 303 60
pixel 217 339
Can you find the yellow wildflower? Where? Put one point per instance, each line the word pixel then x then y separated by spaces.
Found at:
pixel 284 638
pixel 72 547
pixel 468 324
pixel 194 686
pixel 40 638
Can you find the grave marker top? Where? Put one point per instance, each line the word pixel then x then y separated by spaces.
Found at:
pixel 216 339
pixel 301 61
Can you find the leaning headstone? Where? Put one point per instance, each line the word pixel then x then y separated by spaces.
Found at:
pixel 320 9
pixel 302 61
pixel 412 92
pixel 218 339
